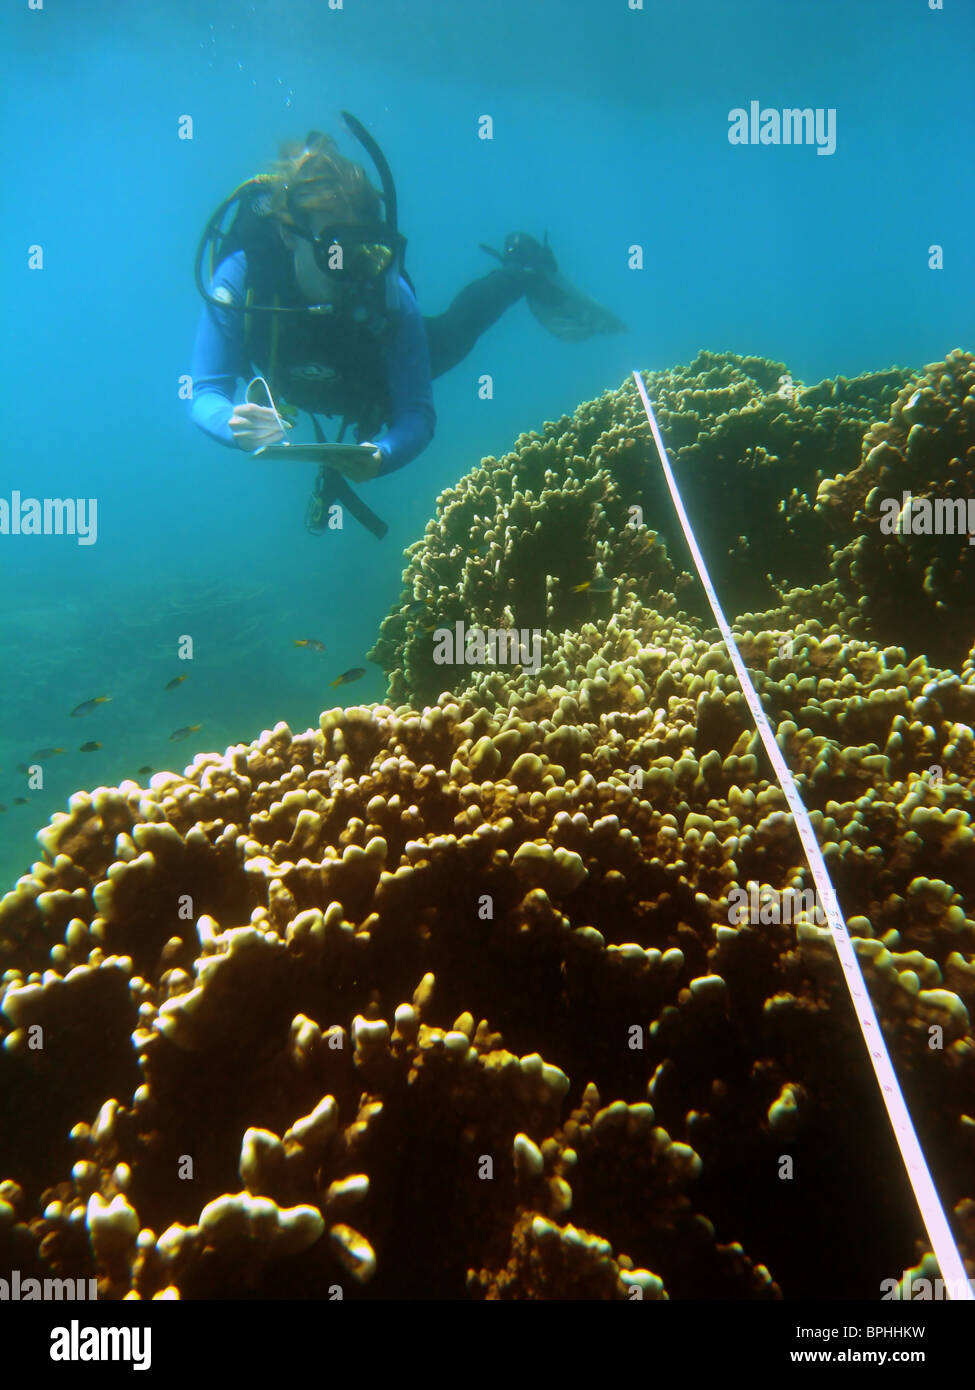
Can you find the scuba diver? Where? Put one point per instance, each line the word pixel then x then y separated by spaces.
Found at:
pixel 307 286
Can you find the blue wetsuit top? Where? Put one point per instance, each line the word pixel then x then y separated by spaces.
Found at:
pixel 217 363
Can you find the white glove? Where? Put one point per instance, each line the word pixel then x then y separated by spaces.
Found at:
pixel 256 426
pixel 360 462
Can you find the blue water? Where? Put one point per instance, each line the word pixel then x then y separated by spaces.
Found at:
pixel 610 129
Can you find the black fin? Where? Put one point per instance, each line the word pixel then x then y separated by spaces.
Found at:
pixel 566 312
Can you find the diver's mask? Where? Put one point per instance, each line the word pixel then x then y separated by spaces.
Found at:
pixel 349 251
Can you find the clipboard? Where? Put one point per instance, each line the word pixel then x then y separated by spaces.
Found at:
pixel 259 393
pixel 336 454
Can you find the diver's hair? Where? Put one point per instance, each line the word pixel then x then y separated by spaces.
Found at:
pixel 335 185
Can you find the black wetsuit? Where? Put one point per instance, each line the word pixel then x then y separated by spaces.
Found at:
pixel 452 335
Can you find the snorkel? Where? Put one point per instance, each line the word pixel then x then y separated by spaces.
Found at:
pixel 253 199
pixel 385 179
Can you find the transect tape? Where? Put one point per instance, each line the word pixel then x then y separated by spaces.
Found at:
pixel 932 1213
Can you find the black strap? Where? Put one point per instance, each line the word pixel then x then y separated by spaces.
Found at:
pixel 333 485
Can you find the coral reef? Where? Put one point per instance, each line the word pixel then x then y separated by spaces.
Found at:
pixel 453 996
pixel 515 536
pixel 452 1003
pixel 914 584
pixel 783 484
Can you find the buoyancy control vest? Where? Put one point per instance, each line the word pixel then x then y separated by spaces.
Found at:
pixel 331 364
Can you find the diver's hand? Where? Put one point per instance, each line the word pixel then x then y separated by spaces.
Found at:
pixel 256 426
pixel 361 466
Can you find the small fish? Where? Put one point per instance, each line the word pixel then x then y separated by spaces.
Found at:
pixel 310 642
pixel 416 609
pixel 47 752
pixel 312 371
pixel 20 801
pixel 480 551
pixel 177 680
pixel 90 747
pixel 144 771
pixel 185 732
pixel 594 586
pixel 88 705
pixel 2 808
pixel 355 673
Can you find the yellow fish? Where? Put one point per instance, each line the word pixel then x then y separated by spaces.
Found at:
pixel 353 674
pixel 87 706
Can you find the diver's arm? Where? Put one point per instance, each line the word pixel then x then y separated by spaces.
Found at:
pixel 217 351
pixel 408 377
